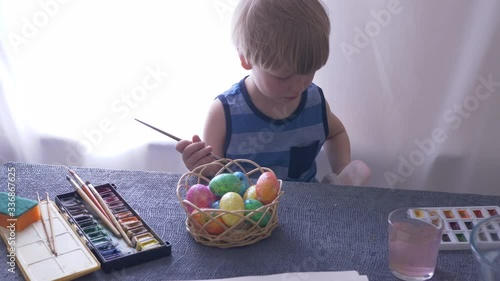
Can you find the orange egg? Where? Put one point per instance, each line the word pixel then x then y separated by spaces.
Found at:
pixel 207 220
pixel 267 187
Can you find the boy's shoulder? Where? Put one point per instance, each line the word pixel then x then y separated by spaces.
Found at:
pixel 235 89
pixel 235 94
pixel 314 87
pixel 314 92
pixel 314 95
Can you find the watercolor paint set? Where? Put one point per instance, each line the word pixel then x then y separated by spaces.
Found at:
pixel 458 223
pixel 113 252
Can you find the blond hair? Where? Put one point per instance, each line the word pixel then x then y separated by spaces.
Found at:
pixel 282 33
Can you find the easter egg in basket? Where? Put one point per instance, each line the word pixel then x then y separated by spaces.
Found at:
pixel 231 201
pixel 200 195
pixel 245 183
pixel 252 205
pixel 250 193
pixel 208 220
pixel 224 183
pixel 267 187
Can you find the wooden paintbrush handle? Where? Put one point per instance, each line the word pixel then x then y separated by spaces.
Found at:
pixel 110 214
pixel 96 210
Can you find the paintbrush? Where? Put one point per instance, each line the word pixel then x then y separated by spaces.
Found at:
pixel 52 236
pixel 94 208
pixel 158 130
pixel 169 135
pixel 51 247
pixel 110 214
pixel 89 193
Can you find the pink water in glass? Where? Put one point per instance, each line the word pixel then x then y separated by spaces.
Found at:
pixel 413 249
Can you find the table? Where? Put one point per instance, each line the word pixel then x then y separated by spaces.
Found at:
pixel 322 227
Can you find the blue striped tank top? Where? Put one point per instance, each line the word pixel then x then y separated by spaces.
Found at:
pixel 288 146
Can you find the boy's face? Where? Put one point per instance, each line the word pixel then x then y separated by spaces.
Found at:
pixel 281 85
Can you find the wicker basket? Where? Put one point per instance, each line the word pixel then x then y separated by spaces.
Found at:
pixel 246 231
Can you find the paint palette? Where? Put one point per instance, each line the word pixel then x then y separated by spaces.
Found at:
pixel 113 252
pixel 458 223
pixel 33 254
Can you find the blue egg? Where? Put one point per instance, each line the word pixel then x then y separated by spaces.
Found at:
pixel 216 205
pixel 245 184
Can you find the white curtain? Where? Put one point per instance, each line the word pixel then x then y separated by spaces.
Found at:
pixel 416 83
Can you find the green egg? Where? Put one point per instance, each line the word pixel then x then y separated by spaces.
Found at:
pixel 265 220
pixel 252 204
pixel 224 183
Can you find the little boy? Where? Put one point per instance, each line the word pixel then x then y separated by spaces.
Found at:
pixel 276 116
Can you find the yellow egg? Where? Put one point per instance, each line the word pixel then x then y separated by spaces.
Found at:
pixel 250 193
pixel 231 201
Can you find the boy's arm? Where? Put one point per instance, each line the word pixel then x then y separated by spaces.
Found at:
pixel 337 146
pixel 214 132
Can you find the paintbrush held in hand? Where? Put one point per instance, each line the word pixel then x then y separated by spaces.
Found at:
pixel 170 135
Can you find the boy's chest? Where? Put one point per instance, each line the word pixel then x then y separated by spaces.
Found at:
pixel 277 111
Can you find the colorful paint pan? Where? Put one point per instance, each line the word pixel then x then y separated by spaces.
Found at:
pixel 142 237
pixel 123 215
pixel 92 228
pixel 128 220
pixel 111 199
pixel 136 231
pixel 101 241
pixel 87 223
pixel 115 204
pixel 147 244
pixel 120 209
pixel 131 225
pixel 458 223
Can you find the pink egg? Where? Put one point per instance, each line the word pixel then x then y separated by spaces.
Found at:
pixel 200 196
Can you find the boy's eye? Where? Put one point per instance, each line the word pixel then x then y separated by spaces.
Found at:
pixel 283 77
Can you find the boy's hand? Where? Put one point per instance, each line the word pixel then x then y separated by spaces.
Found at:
pixel 194 153
pixel 357 173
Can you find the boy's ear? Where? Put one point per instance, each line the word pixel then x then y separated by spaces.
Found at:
pixel 246 65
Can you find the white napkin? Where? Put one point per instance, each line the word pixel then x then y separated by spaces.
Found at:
pixel 302 276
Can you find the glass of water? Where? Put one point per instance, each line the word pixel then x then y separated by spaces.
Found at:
pixel 485 244
pixel 414 238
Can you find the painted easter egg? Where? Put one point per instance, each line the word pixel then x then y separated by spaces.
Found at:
pixel 245 183
pixel 200 196
pixel 231 201
pixel 216 205
pixel 267 187
pixel 265 220
pixel 224 183
pixel 250 193
pixel 209 221
pixel 251 204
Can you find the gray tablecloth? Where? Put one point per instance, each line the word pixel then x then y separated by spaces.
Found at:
pixel 321 227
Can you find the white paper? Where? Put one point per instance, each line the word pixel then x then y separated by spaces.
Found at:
pixel 302 276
